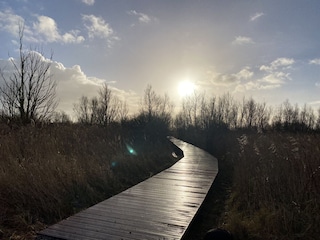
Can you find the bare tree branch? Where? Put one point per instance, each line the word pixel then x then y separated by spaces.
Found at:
pixel 29 91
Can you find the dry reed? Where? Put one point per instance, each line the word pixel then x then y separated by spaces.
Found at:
pixel 51 172
pixel 276 193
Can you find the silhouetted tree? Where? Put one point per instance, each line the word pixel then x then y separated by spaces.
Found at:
pixel 154 119
pixel 156 105
pixel 292 118
pixel 29 92
pixel 307 118
pixel 102 110
pixel 82 110
pixel 318 121
pixel 108 105
pixel 262 116
pixel 60 117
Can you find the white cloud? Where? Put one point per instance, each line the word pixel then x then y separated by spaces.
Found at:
pixel 47 28
pixel 271 76
pixel 142 17
pixel 72 37
pixel 225 79
pixel 98 28
pixel 315 61
pixel 241 40
pixel 228 79
pixel 280 63
pixel 255 85
pixel 88 2
pixel 219 79
pixel 276 76
pixel 247 86
pixel 72 83
pixel 245 80
pixel 256 16
pixel 9 22
pixel 245 73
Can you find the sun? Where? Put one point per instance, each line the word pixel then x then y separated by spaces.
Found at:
pixel 186 88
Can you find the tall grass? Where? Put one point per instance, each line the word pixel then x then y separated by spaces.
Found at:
pixel 49 173
pixel 276 192
pixel 271 181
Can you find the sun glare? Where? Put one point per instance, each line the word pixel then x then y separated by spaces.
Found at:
pixel 186 88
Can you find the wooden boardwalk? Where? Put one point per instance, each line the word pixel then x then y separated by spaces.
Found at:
pixel 162 207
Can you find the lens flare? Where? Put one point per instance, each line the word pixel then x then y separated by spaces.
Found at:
pixel 131 150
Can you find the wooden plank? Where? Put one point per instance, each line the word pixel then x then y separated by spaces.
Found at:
pixel 162 207
pixel 92 219
pixel 107 231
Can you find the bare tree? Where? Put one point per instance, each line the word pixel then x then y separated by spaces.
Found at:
pixel 82 110
pixel 148 99
pixel 242 112
pixel 109 105
pixel 103 110
pixel 94 110
pixel 277 117
pixel 186 113
pixel 318 120
pixel 60 117
pixel 29 92
pixel 288 113
pixel 307 118
pixel 193 106
pixel 156 105
pixel 204 118
pixel 233 116
pixel 212 110
pixel 262 115
pixel 151 102
pixel 153 121
pixel 123 110
pixel 226 103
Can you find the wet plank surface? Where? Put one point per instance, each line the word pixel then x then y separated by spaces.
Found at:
pixel 162 207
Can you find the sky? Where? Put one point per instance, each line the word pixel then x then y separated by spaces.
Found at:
pixel 265 49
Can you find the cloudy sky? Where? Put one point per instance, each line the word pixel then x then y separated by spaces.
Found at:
pixel 267 49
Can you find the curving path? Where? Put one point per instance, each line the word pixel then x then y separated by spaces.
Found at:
pixel 162 207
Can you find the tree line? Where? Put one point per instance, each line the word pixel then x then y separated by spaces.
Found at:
pixel 224 111
pixel 28 94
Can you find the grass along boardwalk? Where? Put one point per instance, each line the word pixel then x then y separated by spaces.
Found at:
pixel 162 207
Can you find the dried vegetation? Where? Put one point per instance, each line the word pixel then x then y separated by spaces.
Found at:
pixel 51 172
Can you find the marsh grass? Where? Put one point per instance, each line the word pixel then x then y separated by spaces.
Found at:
pixel 275 192
pixel 49 173
pixel 268 186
